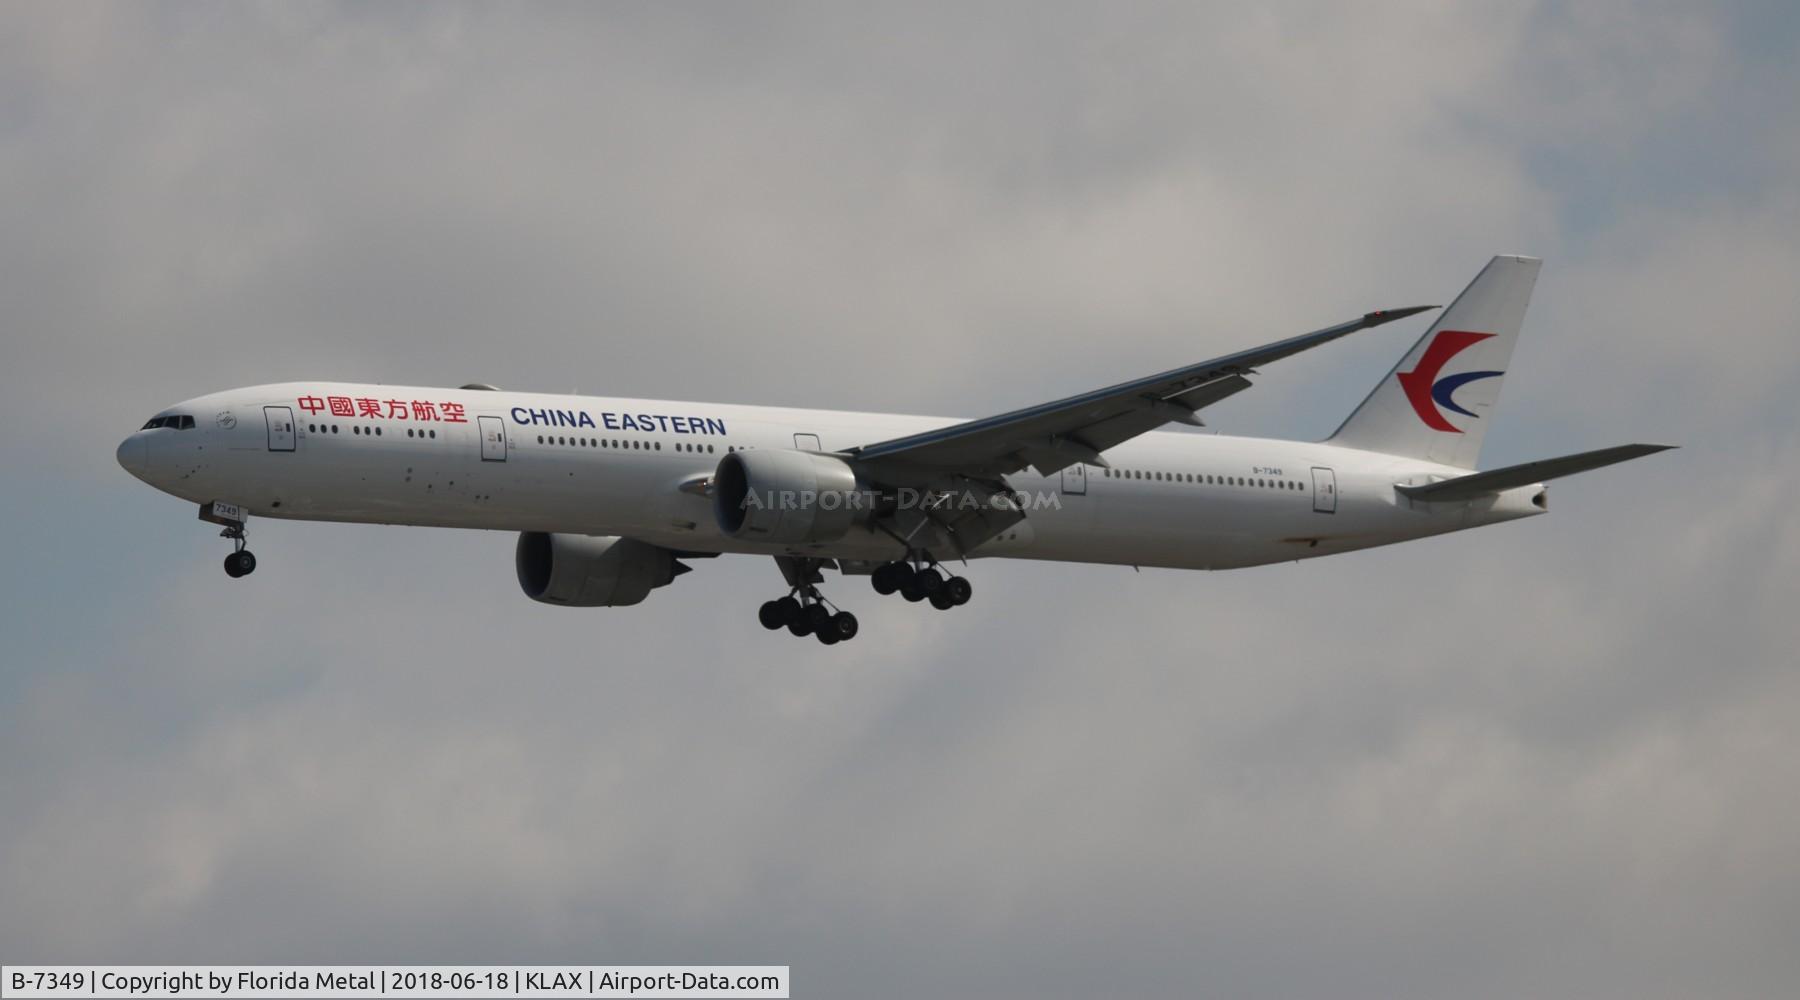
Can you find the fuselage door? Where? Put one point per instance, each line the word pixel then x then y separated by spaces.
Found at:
pixel 281 427
pixel 493 438
pixel 1324 491
pixel 1074 480
pixel 807 442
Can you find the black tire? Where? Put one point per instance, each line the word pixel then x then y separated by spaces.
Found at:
pixel 904 576
pixel 943 601
pixel 912 593
pixel 959 589
pixel 231 566
pixel 246 563
pixel 801 627
pixel 827 637
pixel 844 626
pixel 791 611
pixel 930 582
pixel 771 616
pixel 883 579
pixel 819 617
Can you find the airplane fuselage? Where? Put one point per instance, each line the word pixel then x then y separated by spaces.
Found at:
pixel 580 465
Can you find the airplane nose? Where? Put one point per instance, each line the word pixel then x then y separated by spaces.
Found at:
pixel 134 455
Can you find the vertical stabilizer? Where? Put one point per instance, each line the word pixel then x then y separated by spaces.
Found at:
pixel 1438 401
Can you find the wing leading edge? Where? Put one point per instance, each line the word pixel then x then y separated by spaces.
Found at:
pixel 1052 436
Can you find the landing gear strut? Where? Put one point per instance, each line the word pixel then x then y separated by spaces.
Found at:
pixel 922 583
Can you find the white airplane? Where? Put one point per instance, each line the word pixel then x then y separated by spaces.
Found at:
pixel 609 495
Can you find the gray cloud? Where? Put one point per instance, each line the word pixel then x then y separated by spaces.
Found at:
pixel 1548 758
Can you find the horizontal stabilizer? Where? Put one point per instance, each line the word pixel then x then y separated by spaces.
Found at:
pixel 1493 481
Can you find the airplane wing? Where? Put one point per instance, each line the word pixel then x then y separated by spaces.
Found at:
pixel 1052 436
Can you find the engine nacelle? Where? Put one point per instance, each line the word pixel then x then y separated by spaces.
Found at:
pixel 787 497
pixel 590 571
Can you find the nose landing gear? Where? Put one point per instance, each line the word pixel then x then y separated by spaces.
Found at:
pixel 240 562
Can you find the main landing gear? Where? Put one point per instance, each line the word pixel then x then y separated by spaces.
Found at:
pixel 804 611
pixel 926 583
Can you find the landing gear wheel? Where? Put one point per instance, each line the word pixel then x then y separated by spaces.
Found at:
pixel 818 616
pixel 843 625
pixel 240 563
pixel 959 590
pixel 827 637
pixel 943 601
pixel 791 611
pixel 912 593
pixel 884 579
pixel 801 626
pixel 772 615
pixel 929 582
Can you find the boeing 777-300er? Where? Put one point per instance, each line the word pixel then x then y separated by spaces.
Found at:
pixel 611 496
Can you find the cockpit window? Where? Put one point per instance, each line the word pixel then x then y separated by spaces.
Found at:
pixel 174 422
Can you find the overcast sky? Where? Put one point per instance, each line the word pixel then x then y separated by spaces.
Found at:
pixel 1558 757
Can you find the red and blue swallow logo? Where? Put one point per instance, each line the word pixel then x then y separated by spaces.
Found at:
pixel 1427 392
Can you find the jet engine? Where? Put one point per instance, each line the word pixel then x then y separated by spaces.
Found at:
pixel 787 497
pixel 591 571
